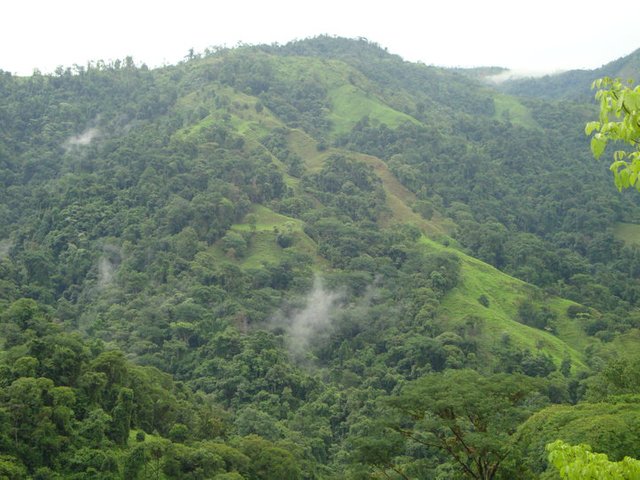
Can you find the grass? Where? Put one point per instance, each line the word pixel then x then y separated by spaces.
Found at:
pixel 148 437
pixel 262 246
pixel 624 345
pixel 629 233
pixel 350 104
pixel 267 219
pixel 347 89
pixel 398 200
pixel 303 145
pixel 499 319
pixel 508 107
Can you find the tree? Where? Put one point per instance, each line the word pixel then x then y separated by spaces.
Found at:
pixel 268 460
pixel 619 122
pixel 121 416
pixel 378 447
pixel 11 468
pixel 580 463
pixel 609 427
pixel 469 417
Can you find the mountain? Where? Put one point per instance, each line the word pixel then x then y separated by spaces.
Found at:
pixel 574 84
pixel 243 265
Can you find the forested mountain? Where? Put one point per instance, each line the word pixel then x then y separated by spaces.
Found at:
pixel 308 261
pixel 574 84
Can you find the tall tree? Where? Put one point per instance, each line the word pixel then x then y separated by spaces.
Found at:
pixel 468 416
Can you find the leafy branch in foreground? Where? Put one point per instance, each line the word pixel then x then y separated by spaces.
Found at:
pixel 619 122
pixel 580 463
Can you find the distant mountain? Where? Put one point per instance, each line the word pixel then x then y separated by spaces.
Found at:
pixel 574 84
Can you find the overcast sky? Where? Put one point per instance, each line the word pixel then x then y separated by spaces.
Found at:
pixel 537 36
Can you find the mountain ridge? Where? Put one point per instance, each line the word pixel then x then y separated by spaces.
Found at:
pixel 574 84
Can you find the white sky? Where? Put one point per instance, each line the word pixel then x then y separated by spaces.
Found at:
pixel 536 36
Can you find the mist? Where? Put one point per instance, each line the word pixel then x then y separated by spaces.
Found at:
pixel 82 139
pixel 5 247
pixel 105 272
pixel 305 326
pixel 520 73
pixel 107 265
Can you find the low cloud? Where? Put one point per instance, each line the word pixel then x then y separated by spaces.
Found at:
pixel 520 73
pixel 82 139
pixel 303 327
pixel 107 265
pixel 5 247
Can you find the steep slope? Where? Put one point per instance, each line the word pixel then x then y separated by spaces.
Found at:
pixel 294 233
pixel 497 322
pixel 236 100
pixel 477 278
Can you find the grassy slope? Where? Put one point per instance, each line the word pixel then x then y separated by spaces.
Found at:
pixel 398 197
pixel 629 233
pixel 350 102
pixel 262 247
pixel 351 95
pixel 509 107
pixel 504 294
pixel 240 114
pixel 477 278
pixel 399 200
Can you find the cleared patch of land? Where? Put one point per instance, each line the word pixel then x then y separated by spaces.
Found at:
pixel 629 233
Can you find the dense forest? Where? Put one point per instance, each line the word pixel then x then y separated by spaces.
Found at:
pixel 312 261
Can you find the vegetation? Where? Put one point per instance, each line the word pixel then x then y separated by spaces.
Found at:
pixel 308 261
pixel 622 103
pixel 578 462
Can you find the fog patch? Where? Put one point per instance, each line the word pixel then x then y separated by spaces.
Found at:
pixel 108 265
pixel 5 247
pixel 519 74
pixel 83 139
pixel 305 326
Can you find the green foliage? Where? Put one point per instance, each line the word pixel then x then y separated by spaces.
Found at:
pixel 269 461
pixel 530 314
pixel 349 186
pixel 619 121
pixel 160 235
pixel 484 300
pixel 11 468
pixel 579 462
pixel 620 376
pixel 469 417
pixel 610 427
pixel 121 415
pixel 234 245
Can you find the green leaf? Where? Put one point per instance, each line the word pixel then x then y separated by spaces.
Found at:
pixel 598 144
pixel 591 127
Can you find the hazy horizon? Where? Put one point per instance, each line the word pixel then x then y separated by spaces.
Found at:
pixel 541 36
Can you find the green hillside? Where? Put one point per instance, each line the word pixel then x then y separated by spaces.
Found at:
pixel 306 261
pixel 628 233
pixel 349 105
pixel 574 84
